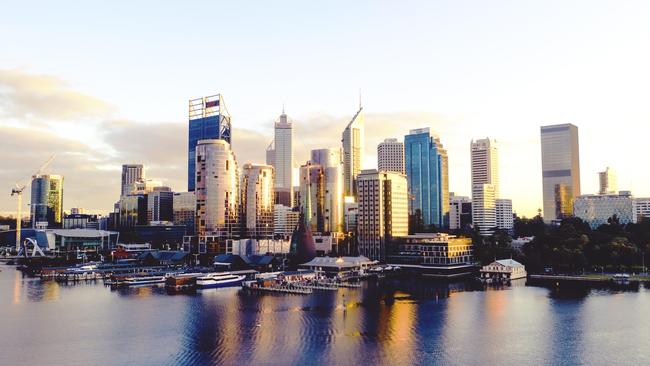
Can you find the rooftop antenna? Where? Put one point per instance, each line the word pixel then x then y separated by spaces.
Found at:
pixel 359 98
pixel 283 108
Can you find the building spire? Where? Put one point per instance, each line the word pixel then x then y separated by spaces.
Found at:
pixel 283 108
pixel 359 98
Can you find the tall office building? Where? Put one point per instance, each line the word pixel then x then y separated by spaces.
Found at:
pixel 485 184
pixel 184 205
pixel 607 180
pixel 505 217
pixel 353 145
pixel 280 155
pixel 257 200
pixel 427 170
pixel 390 156
pixel 217 190
pixel 560 170
pixel 285 221
pixel 47 200
pixel 641 209
pixel 208 119
pixel 131 173
pixel 332 165
pixel 382 211
pixel 312 196
pixel 160 205
pixel 460 212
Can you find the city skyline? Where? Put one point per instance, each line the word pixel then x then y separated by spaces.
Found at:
pixel 95 124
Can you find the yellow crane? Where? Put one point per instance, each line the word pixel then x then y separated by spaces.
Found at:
pixel 18 192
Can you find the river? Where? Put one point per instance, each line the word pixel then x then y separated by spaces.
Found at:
pixel 399 322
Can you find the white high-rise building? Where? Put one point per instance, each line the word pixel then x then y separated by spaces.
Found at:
pixel 607 180
pixel 257 200
pixel 505 218
pixel 460 211
pixel 595 209
pixel 382 211
pixel 332 165
pixel 285 220
pixel 282 154
pixel 560 170
pixel 131 173
pixel 353 145
pixel 485 184
pixel 641 209
pixel 217 190
pixel 390 156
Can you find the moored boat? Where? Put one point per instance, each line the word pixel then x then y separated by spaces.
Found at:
pixel 181 281
pixel 213 280
pixel 141 280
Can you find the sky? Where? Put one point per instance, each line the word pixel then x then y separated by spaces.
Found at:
pixel 99 84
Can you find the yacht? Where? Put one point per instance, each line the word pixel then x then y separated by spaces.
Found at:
pixel 212 280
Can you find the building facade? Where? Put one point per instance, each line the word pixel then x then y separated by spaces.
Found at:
pixel 641 209
pixel 46 203
pixel 460 212
pixel 485 184
pixel 160 205
pixel 560 170
pixel 283 159
pixel 312 196
pixel 131 173
pixel 607 181
pixel 257 200
pixel 350 216
pixel 331 162
pixel 184 206
pixel 285 221
pixel 217 190
pixel 427 172
pixel 390 156
pixel 595 210
pixel 504 214
pixel 208 119
pixel 382 211
pixel 353 145
pixel 434 254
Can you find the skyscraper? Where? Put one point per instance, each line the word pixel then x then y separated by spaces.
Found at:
pixel 312 196
pixel 208 119
pixel 160 205
pixel 257 200
pixel 382 211
pixel 184 205
pixel 485 184
pixel 353 145
pixel 331 163
pixel 47 200
pixel 607 180
pixel 390 156
pixel 131 173
pixel 217 190
pixel 280 152
pixel 505 218
pixel 460 212
pixel 427 170
pixel 560 170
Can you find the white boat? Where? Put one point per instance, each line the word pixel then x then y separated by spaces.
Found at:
pixel 213 280
pixel 141 280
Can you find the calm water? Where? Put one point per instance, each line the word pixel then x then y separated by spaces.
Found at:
pixel 399 323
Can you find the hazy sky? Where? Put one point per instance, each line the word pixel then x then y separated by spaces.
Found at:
pixel 103 84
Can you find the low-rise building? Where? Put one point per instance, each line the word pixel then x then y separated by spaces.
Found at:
pixel 596 209
pixel 339 266
pixel 503 270
pixel 433 254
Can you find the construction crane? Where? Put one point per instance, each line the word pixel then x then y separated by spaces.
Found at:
pixel 18 192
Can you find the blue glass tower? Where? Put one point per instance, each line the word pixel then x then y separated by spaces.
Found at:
pixel 208 119
pixel 427 174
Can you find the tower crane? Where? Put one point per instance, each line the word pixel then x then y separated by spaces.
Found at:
pixel 17 191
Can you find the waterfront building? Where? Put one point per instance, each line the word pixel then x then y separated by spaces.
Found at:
pixel 285 220
pixel 217 191
pixel 332 165
pixel 131 173
pixel 208 119
pixel 351 212
pixel 184 205
pixel 596 209
pixel 504 214
pixel 607 181
pixel 427 171
pixel 382 211
pixel 257 200
pixel 353 146
pixel 339 266
pixel 163 235
pixel 390 156
pixel 433 254
pixel 328 243
pixel 81 221
pixel 280 153
pixel 312 196
pixel 160 205
pixel 503 270
pixel 46 200
pixel 71 240
pixel 560 170
pixel 460 212
pixel 641 209
pixel 485 184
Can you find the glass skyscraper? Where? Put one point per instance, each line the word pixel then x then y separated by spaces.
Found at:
pixel 47 200
pixel 208 119
pixel 427 172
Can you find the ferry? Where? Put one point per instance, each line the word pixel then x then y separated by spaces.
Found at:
pixel 141 280
pixel 219 280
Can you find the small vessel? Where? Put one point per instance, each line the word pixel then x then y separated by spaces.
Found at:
pixel 225 279
pixel 141 280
